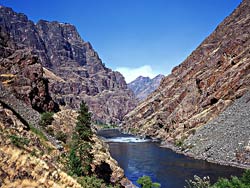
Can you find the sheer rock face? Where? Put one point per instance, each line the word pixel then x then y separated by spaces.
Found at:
pixel 144 86
pixel 21 74
pixel 77 71
pixel 201 87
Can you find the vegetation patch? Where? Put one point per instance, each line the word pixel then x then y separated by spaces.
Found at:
pixel 18 141
pixel 146 182
pixel 102 125
pixel 46 119
pixel 233 182
pixel 38 132
pixel 61 136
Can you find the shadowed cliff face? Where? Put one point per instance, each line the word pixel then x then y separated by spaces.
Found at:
pixel 201 87
pixel 73 68
pixel 21 74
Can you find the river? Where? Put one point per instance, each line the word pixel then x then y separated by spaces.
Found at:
pixel 140 157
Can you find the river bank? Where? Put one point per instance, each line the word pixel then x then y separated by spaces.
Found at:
pixel 224 140
pixel 187 153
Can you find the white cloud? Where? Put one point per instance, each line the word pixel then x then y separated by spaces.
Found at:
pixel 131 74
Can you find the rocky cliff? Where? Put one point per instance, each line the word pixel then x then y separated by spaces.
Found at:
pixel 71 65
pixel 201 87
pixel 144 86
pixel 32 155
pixel 21 74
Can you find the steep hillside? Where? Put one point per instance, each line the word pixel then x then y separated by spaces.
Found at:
pixel 27 158
pixel 144 86
pixel 200 88
pixel 225 137
pixel 81 73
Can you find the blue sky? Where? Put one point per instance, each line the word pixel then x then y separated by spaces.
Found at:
pixel 136 37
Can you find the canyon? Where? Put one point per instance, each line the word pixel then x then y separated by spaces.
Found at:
pixel 201 109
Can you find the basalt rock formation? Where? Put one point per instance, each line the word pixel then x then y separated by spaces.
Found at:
pixel 71 65
pixel 144 86
pixel 201 87
pixel 21 74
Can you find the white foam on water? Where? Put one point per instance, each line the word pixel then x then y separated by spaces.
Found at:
pixel 126 139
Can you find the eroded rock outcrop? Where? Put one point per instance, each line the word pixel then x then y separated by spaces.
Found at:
pixel 200 88
pixel 76 69
pixel 21 73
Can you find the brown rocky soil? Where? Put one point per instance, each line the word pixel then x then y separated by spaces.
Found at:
pixel 32 162
pixel 200 88
pixel 29 159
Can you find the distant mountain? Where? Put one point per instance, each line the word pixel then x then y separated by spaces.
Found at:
pixel 73 68
pixel 144 86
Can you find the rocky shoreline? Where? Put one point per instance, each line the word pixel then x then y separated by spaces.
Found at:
pixel 224 140
pixel 189 154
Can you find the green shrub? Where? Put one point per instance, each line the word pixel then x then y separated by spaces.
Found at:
pixel 234 182
pixel 91 182
pixel 46 119
pixel 61 136
pixel 83 130
pixel 246 177
pixel 179 143
pixel 74 163
pixel 50 131
pixel 38 132
pixel 198 182
pixel 18 141
pixel 146 182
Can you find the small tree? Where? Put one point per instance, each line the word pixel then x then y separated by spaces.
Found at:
pixel 74 163
pixel 80 158
pixel 83 124
pixel 146 182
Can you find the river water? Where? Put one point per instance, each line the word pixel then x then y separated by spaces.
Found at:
pixel 140 157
